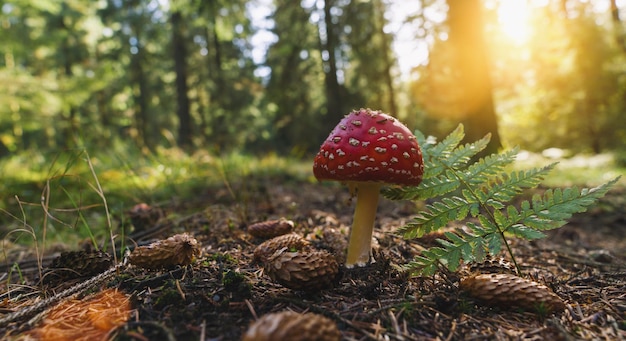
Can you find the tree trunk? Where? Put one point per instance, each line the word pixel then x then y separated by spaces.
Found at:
pixel 334 105
pixel 618 27
pixel 466 34
pixel 140 98
pixel 180 68
pixel 387 48
pixel 71 128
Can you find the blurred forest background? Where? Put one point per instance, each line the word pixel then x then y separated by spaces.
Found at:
pixel 263 75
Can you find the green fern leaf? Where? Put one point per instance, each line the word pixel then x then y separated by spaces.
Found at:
pixel 428 263
pixel 483 189
pixel 523 231
pixel 489 166
pixel 459 157
pixel 463 243
pixel 505 187
pixel 448 144
pixel 487 224
pixel 452 257
pixel 560 205
pixel 494 242
pixel 429 188
pixel 436 216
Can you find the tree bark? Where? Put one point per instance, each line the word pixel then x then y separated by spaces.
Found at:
pixel 334 105
pixel 180 68
pixel 466 34
pixel 618 28
pixel 387 48
pixel 140 97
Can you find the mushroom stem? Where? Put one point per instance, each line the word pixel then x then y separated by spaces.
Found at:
pixel 360 244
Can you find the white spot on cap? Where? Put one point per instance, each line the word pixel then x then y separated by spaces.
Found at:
pixel 354 141
pixel 357 123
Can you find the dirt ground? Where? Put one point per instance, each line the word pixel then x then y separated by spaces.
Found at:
pixel 222 291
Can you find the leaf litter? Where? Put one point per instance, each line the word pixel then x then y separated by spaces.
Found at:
pixel 223 291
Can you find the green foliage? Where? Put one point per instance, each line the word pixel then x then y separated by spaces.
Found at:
pixel 74 185
pixel 484 191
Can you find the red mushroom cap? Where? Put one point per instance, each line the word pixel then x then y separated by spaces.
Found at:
pixel 370 145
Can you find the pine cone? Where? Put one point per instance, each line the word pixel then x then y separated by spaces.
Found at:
pixel 291 241
pixel 271 228
pixel 179 249
pixel 76 264
pixel 144 216
pixel 302 270
pixel 292 326
pixel 511 291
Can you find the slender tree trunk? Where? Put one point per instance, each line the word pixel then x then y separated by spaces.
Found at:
pixel 391 100
pixel 180 67
pixel 466 33
pixel 617 25
pixel 218 98
pixel 140 97
pixel 334 103
pixel 69 130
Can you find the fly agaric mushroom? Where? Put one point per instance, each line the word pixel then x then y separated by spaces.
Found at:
pixel 366 150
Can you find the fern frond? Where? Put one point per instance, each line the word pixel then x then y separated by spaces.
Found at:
pixel 556 206
pixel 435 156
pixel 505 187
pixel 489 166
pixel 428 263
pixel 483 189
pixel 459 247
pixel 459 157
pixel 523 231
pixel 448 144
pixel 436 216
pixel 429 188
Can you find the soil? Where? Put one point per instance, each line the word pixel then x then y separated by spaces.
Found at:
pixel 223 291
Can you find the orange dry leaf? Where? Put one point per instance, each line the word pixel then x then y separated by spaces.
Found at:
pixel 91 318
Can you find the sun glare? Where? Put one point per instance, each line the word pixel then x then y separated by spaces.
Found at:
pixel 513 20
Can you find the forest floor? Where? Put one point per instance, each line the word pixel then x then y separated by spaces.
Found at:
pixel 222 291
